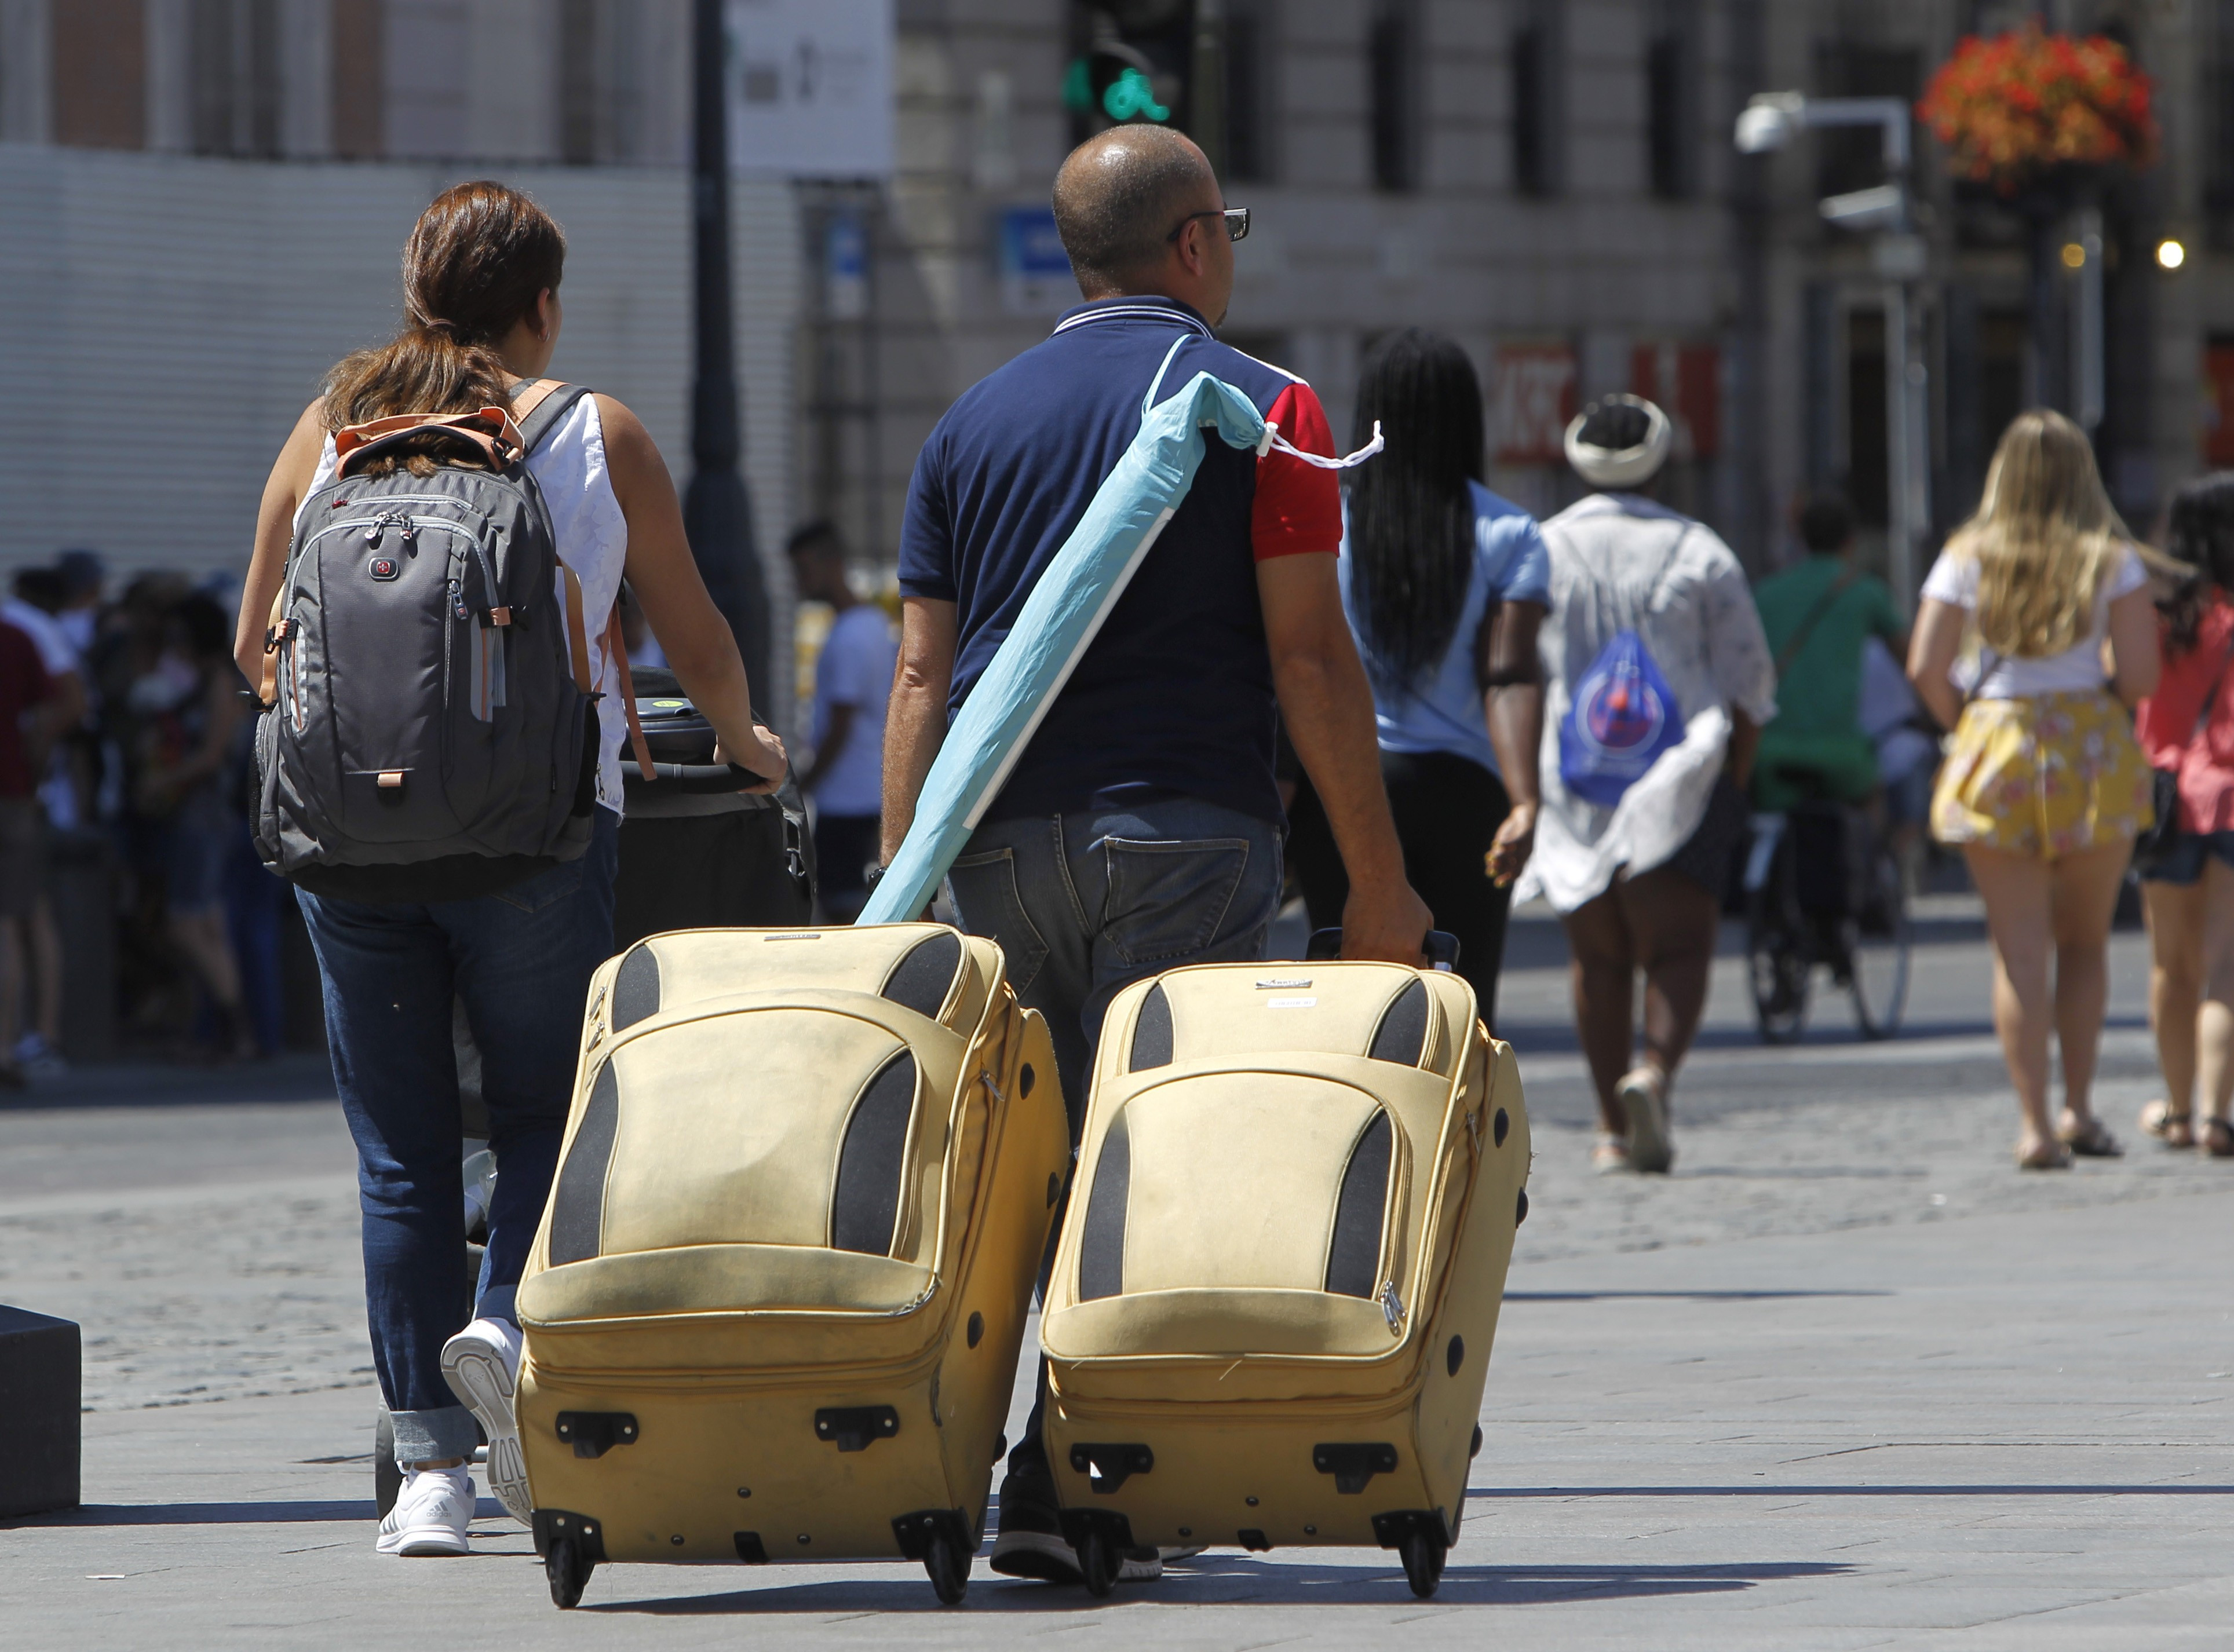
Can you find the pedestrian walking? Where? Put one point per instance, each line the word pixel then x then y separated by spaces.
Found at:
pixel 853 685
pixel 35 609
pixel 1139 829
pixel 1445 585
pixel 189 710
pixel 27 698
pixel 2186 864
pixel 481 289
pixel 1658 680
pixel 2044 787
pixel 1818 617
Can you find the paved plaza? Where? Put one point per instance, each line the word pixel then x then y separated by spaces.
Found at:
pixel 1845 1380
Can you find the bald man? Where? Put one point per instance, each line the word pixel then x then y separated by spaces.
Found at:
pixel 1140 829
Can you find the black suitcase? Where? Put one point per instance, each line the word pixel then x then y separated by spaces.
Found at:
pixel 697 856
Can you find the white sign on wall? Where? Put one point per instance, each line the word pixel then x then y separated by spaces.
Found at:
pixel 811 88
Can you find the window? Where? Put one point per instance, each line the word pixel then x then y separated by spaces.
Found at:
pixel 426 107
pixel 1853 158
pixel 101 74
pixel 1670 75
pixel 1538 112
pixel 1393 57
pixel 1248 92
pixel 359 77
pixel 233 47
pixel 2218 87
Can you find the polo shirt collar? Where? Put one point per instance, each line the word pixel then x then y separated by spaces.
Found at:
pixel 1132 308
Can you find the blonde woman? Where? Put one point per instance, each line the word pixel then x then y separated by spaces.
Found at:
pixel 2044 787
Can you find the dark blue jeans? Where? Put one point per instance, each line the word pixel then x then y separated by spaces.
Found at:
pixel 521 961
pixel 1084 904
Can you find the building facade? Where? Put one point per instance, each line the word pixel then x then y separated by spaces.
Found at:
pixel 202 198
pixel 1555 183
pixel 201 207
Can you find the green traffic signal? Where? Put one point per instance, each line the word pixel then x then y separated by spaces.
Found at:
pixel 1130 97
pixel 1078 87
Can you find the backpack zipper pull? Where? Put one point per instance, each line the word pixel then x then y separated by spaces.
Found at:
pixel 458 599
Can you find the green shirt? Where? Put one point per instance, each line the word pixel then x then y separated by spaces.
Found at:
pixel 1821 688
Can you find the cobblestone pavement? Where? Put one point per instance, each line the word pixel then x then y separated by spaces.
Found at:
pixel 1845 1380
pixel 209 1247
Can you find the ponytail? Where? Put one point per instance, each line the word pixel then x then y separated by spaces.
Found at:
pixel 477 264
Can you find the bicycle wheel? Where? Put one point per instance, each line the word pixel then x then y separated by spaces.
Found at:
pixel 1877 943
pixel 1778 968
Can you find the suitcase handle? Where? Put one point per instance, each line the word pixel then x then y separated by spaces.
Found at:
pixel 1441 946
pixel 704 779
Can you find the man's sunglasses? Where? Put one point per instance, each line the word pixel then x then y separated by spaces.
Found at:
pixel 1237 222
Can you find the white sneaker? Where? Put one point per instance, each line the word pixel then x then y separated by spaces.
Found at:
pixel 1642 1093
pixel 481 1365
pixel 431 1513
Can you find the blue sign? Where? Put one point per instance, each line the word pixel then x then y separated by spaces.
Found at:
pixel 1035 271
pixel 1030 246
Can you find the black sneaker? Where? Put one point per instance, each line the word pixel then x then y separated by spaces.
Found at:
pixel 1030 1542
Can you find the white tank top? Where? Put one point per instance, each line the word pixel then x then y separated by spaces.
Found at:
pixel 592 540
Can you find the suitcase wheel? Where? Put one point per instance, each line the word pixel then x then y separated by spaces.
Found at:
pixel 1423 1555
pixel 1098 1562
pixel 948 1568
pixel 569 1570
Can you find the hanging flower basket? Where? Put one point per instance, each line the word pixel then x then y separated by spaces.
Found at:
pixel 2021 107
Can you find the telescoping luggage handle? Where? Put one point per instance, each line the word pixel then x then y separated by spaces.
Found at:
pixel 1441 946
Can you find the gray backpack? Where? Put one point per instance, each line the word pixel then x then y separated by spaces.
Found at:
pixel 426 732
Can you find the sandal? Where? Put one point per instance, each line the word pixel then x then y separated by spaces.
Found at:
pixel 1610 1155
pixel 2091 1141
pixel 2173 1129
pixel 2045 1155
pixel 2219 1138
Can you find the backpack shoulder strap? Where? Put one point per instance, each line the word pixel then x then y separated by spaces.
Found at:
pixel 538 405
pixel 1813 617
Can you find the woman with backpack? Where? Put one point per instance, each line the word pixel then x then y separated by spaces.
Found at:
pixel 1445 585
pixel 482 273
pixel 2043 786
pixel 2186 864
pixel 1658 680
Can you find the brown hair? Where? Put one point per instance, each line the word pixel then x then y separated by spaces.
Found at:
pixel 477 262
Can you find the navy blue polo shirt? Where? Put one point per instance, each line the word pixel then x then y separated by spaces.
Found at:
pixel 1174 698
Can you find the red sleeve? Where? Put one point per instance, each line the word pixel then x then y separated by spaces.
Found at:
pixel 1298 506
pixel 31 671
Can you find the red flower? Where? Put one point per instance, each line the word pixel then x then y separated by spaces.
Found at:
pixel 2012 107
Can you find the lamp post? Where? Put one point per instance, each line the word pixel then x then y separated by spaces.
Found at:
pixel 717 514
pixel 1770 123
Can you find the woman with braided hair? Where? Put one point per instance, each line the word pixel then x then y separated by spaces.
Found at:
pixel 1444 584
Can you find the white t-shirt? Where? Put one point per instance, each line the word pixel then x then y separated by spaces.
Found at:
pixel 1953 580
pixel 56 652
pixel 855 669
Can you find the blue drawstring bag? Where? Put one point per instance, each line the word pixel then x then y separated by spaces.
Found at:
pixel 1623 714
pixel 1622 717
pixel 1060 618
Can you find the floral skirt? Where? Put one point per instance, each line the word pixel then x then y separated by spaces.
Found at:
pixel 2050 775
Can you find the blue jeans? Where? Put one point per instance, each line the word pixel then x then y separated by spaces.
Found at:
pixel 521 961
pixel 1084 904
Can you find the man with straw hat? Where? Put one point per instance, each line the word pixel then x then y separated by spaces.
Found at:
pixel 1657 680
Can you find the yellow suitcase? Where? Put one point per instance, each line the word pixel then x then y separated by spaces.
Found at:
pixel 775 1306
pixel 1272 1304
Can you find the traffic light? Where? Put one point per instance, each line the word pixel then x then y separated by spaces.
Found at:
pixel 1145 61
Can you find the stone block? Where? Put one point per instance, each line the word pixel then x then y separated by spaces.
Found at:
pixel 39 1398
